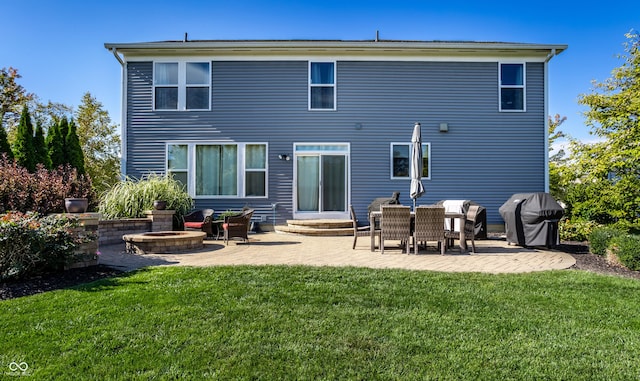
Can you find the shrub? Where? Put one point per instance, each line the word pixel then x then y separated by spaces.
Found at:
pixel 43 191
pixel 131 198
pixel 627 248
pixel 30 243
pixel 627 226
pixel 600 239
pixel 576 229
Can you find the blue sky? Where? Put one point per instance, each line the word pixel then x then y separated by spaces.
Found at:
pixel 58 46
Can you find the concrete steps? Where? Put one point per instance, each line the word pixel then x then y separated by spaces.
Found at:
pixel 325 228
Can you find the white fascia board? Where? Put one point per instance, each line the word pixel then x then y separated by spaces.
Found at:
pixel 315 57
pixel 359 51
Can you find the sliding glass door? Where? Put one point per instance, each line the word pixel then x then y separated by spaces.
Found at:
pixel 322 173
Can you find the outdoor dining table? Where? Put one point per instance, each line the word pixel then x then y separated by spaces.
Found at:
pixel 461 217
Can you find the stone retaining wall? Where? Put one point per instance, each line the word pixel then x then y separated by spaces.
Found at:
pixel 107 232
pixel 87 253
pixel 111 231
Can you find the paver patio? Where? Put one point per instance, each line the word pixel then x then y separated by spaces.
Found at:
pixel 492 256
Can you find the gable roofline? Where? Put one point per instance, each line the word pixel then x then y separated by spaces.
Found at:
pixel 386 48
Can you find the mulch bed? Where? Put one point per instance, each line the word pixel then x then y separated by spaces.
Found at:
pixel 55 281
pixel 48 282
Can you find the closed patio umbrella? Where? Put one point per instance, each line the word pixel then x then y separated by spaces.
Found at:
pixel 417 189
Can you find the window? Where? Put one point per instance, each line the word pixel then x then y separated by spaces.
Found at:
pixel 512 87
pixel 216 170
pixel 255 170
pixel 219 169
pixel 401 160
pixel 178 162
pixel 166 81
pixel 182 85
pixel 322 86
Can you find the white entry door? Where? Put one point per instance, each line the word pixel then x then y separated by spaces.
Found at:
pixel 322 180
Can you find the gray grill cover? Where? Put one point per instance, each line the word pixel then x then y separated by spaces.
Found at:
pixel 375 204
pixel 531 219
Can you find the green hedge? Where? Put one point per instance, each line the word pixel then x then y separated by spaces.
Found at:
pixel 627 248
pixel 601 237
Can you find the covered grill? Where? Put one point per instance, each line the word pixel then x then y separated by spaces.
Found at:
pixel 531 219
pixel 375 204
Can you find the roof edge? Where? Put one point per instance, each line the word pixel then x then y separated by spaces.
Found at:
pixel 301 44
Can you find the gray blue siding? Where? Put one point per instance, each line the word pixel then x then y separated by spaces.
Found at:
pixel 486 156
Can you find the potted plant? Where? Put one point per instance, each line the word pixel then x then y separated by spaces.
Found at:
pixel 76 204
pixel 159 205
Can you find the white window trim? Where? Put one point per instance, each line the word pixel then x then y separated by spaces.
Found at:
pixel 428 144
pixel 242 168
pixel 523 86
pixel 335 86
pixel 182 85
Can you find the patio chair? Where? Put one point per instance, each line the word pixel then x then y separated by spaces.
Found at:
pixel 470 228
pixel 429 226
pixel 395 224
pixel 237 226
pixel 199 220
pixel 360 231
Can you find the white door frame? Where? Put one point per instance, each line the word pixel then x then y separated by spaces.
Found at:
pixel 322 149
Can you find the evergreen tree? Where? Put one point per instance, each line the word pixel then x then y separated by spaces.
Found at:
pixel 23 147
pixel 55 145
pixel 40 148
pixel 74 151
pixel 64 131
pixel 4 144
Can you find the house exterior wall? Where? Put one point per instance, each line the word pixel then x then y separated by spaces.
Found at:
pixel 486 156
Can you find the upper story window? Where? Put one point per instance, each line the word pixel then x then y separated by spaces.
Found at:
pixel 512 87
pixel 400 160
pixel 322 85
pixel 182 85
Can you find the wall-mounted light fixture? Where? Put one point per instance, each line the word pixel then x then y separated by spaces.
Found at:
pixel 358 126
pixel 284 156
pixel 444 127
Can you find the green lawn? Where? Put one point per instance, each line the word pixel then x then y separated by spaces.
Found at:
pixel 304 323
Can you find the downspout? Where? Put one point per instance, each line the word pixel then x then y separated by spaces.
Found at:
pixel 123 118
pixel 546 119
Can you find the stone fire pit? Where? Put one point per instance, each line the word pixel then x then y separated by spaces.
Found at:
pixel 163 242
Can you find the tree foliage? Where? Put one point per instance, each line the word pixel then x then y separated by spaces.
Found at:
pixel 606 175
pixel 556 159
pixel 40 148
pixel 55 142
pixel 12 95
pixel 100 143
pixel 46 114
pixel 5 147
pixel 23 148
pixel 75 157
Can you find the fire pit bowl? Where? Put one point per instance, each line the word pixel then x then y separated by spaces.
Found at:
pixel 163 242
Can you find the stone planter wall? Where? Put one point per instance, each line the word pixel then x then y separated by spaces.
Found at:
pixel 111 231
pixel 106 232
pixel 87 254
